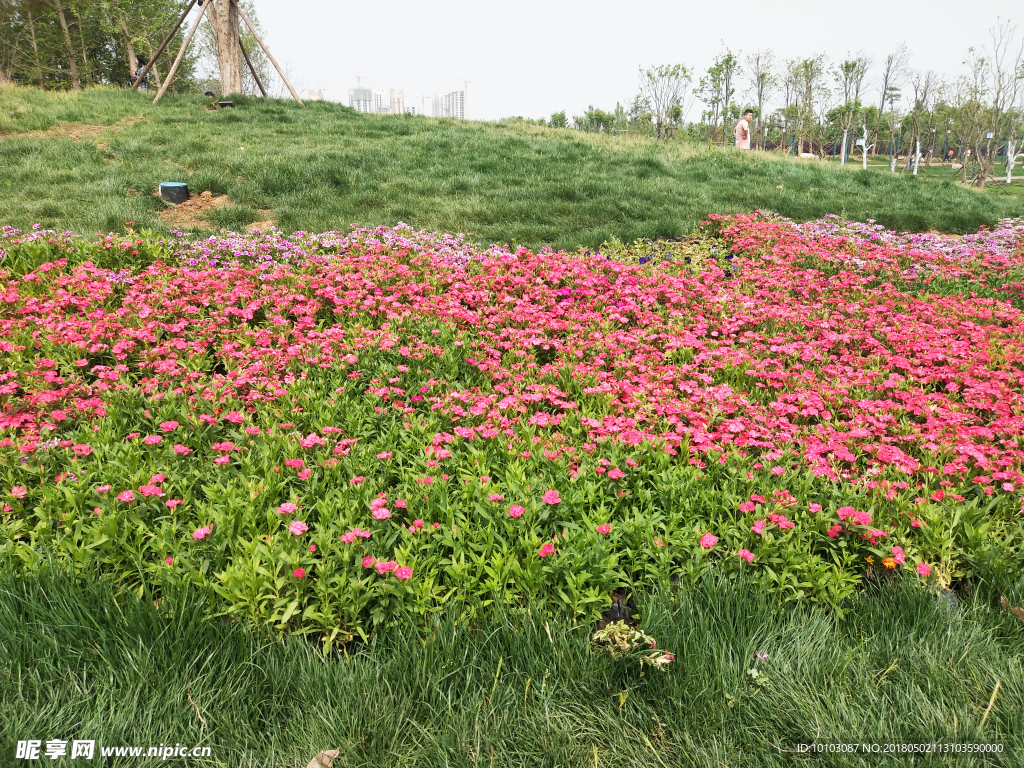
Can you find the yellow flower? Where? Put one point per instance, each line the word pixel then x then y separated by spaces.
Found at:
pixel 889 563
pixel 870 560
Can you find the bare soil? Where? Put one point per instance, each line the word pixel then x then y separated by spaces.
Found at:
pixel 190 214
pixel 74 131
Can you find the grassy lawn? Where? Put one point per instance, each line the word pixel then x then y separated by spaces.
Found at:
pixel 322 166
pixel 900 668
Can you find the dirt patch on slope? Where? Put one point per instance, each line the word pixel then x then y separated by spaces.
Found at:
pixel 75 131
pixel 191 213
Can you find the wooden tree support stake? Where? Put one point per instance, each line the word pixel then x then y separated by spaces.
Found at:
pixel 266 50
pixel 152 61
pixel 181 54
pixel 252 69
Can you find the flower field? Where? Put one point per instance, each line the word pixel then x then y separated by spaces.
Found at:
pixel 326 433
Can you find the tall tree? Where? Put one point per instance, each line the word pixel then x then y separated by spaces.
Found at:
pixel 893 70
pixel 76 82
pixel 763 82
pixel 664 88
pixel 718 86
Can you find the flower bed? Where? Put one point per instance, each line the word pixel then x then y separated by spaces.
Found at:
pixel 329 432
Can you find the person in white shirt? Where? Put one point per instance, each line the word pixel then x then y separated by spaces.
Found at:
pixel 742 130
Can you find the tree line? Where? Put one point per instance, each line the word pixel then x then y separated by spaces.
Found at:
pixel 860 105
pixel 73 44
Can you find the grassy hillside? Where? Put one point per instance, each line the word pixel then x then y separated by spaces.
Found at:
pixel 323 166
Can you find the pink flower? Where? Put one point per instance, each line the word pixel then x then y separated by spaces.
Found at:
pixel 403 573
pixel 304 474
pixel 485 479
pixel 169 560
pixel 708 540
pixel 495 497
pixel 169 426
pixel 126 496
pixel 815 508
pixel 747 555
pixel 252 430
pixel 516 511
pixel 383 566
pixel 294 463
pixel 19 491
pixel 224 447
pixel 150 490
pixel 82 450
pixel 384 455
pixel 368 561
pixel 924 569
pixel 546 549
pixel 297 528
pixel 381 513
pixel 357 480
pixel 222 460
pixel 234 417
pixel 131 435
pixel 182 450
pixel 550 497
pixel 615 473
pixel 299 573
pixel 758 527
pixel 103 488
pixel 835 530
pixel 201 533
pixel 778 471
pixel 747 506
pixel 417 523
pixel 400 503
pixel 1008 487
pixel 152 439
pixel 312 547
pixel 898 555
pixel 604 529
pixel 157 479
pixel 172 503
pixel 287 508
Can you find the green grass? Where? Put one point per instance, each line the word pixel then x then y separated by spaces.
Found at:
pixel 323 166
pixel 901 667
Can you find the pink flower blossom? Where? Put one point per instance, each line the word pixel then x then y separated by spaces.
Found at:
pixel 403 573
pixel 150 490
pixel 381 513
pixel 550 497
pixel 604 529
pixel 546 549
pixel 169 560
pixel 299 573
pixel 103 488
pixel 172 503
pixel 157 479
pixel 234 417
pixel 516 511
pixel 201 533
pixel 400 503
pixel 82 450
pixel 708 540
pixel 152 439
pixel 384 455
pixel 19 491
pixel 898 555
pixel 815 508
pixel 182 450
pixel 169 426
pixel 384 566
pixel 758 527
pixel 616 474
pixel 304 474
pixel 287 508
pixel 368 561
pixel 357 480
pixel 222 460
pixel 746 554
pixel 126 496
pixel 297 528
pixel 924 569
pixel 294 463
pixel 495 497
pixel 748 506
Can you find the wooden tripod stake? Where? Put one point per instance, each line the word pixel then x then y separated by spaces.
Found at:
pixel 152 61
pixel 181 55
pixel 266 50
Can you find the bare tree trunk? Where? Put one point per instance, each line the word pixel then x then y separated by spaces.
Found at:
pixel 133 60
pixel 35 45
pixel 225 23
pixel 76 83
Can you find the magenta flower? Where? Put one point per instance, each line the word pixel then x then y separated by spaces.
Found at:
pixel 384 455
pixel 403 572
pixel 82 450
pixel 297 528
pixel 495 497
pixel 201 533
pixel 126 496
pixel 516 511
pixel 708 540
pixel 299 573
pixel 924 569
pixel 615 473
pixel 381 513
pixel 172 503
pixel 368 561
pixel 234 417
pixel 103 488
pixel 546 549
pixel 169 426
pixel 169 560
pixel 294 463
pixel 182 450
pixel 152 439
pixel 747 506
pixel 747 555
pixel 550 497
pixel 287 508
pixel 604 529
pixel 19 491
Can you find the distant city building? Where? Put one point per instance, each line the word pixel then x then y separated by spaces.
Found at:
pixel 412 111
pixel 361 99
pixel 312 95
pixel 451 104
pixel 397 102
pixel 381 101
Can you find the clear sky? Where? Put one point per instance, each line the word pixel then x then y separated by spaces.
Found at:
pixel 535 57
